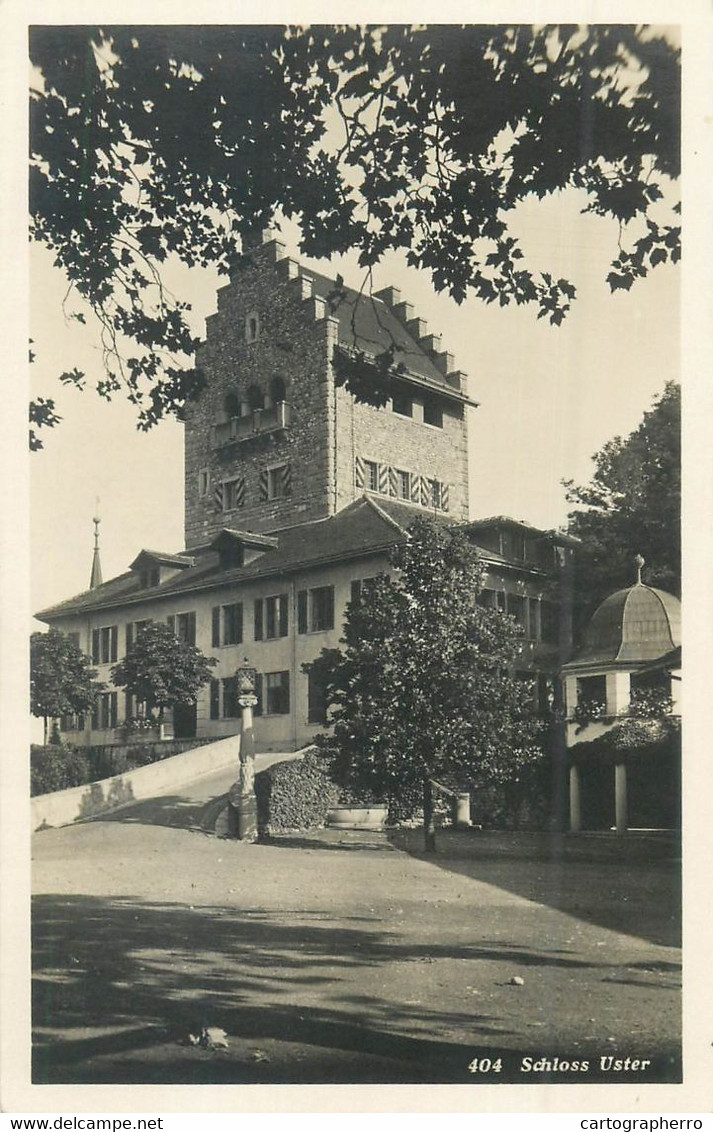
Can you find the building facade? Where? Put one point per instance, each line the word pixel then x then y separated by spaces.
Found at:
pixel 295 491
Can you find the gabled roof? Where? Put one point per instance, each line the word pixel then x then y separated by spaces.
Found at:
pixel 357 531
pixel 245 538
pixel 159 558
pixel 368 526
pixel 368 324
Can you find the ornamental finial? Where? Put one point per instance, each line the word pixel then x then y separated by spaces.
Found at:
pixel 640 563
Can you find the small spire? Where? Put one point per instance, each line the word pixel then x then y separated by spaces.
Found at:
pixel 640 563
pixel 96 578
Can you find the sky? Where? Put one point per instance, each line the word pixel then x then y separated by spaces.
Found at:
pixel 549 397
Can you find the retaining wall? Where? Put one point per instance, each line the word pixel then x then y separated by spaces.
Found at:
pixel 67 806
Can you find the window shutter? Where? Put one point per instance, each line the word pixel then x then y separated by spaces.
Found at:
pixel 218 497
pixel 285 693
pixel 258 618
pixel 215 639
pixel 283 615
pixel 393 482
pixel 359 473
pixel 171 622
pixel 191 629
pixel 329 612
pixel 95 714
pixel 95 646
pixel 215 699
pixel 415 488
pixel 444 497
pixel 239 622
pixel 262 485
pixel 356 589
pixel 287 479
pixel 240 492
pixel 258 693
pixel 302 611
pixel 112 708
pixel 129 635
pixel 127 706
pixel 114 642
pixel 384 479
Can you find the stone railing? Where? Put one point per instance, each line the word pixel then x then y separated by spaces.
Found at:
pixel 260 421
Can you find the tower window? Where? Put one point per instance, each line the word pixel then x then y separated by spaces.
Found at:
pixel 371 475
pixel 203 482
pixel 231 405
pixel 252 327
pixel 402 404
pixel 403 485
pixel 432 413
pixel 256 399
pixel 278 390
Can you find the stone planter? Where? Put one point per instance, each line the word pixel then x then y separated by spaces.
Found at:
pixel 357 817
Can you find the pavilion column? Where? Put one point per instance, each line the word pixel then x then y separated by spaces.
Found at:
pixel 575 802
pixel 618 692
pixel 620 802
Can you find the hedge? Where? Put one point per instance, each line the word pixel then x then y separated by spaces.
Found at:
pixel 57 768
pixel 295 795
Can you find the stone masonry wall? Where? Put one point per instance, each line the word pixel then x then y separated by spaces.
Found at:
pixel 293 343
pixel 406 443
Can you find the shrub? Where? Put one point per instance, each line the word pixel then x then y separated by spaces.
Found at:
pixel 57 768
pixel 294 795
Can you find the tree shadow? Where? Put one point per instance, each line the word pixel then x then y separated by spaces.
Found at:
pixel 171 810
pixel 120 984
pixel 626 885
pixel 330 840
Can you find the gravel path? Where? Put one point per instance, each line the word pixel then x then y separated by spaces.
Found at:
pixel 348 957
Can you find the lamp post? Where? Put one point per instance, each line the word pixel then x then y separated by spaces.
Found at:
pixel 242 800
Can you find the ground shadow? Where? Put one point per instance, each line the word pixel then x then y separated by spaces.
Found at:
pixel 627 885
pixel 120 984
pixel 170 810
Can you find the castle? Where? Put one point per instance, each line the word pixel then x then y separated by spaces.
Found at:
pixel 295 491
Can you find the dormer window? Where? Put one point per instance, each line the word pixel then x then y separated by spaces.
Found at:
pixel 149 578
pixel 252 327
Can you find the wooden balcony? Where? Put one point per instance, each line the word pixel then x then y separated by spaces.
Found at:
pixel 260 422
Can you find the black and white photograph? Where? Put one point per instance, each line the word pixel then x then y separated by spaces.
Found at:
pixel 351 744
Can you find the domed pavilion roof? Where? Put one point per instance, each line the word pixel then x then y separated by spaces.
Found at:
pixel 632 626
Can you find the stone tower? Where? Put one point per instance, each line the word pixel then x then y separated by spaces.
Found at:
pixel 274 440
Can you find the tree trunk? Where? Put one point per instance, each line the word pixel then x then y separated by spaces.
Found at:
pixel 429 825
pixel 44 717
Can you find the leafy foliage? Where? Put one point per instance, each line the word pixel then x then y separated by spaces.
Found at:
pixel 632 506
pixel 57 768
pixel 422 689
pixel 161 670
pixel 61 679
pixel 294 795
pixel 150 144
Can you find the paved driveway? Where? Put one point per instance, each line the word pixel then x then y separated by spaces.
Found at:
pixel 345 957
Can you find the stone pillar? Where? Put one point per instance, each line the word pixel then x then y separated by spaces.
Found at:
pixel 620 805
pixel 246 826
pixel 463 811
pixel 618 692
pixel 575 801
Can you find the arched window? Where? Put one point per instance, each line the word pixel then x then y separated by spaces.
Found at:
pixel 231 405
pixel 252 327
pixel 256 399
pixel 278 390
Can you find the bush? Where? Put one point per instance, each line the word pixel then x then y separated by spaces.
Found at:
pixel 57 768
pixel 294 795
